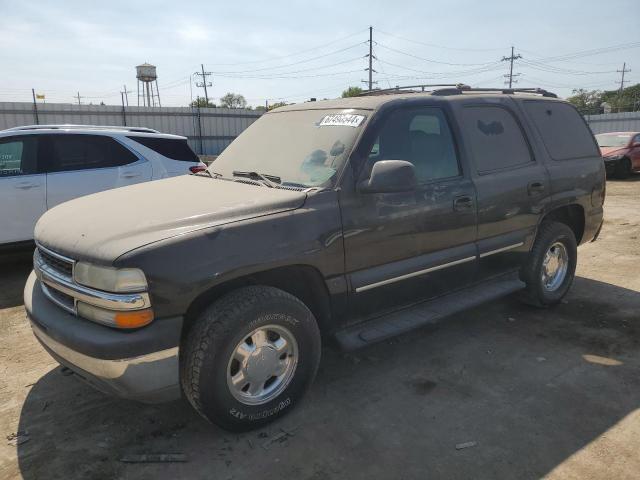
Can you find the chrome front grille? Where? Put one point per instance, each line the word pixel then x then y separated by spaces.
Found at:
pixel 59 298
pixel 56 262
pixel 55 273
pixel 54 266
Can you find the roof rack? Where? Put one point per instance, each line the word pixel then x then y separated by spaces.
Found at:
pixel 409 89
pixel 506 91
pixel 83 127
pixel 454 89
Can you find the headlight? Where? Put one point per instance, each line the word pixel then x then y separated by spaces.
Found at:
pixel 109 279
pixel 614 157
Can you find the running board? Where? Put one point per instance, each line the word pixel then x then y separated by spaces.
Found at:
pixel 427 312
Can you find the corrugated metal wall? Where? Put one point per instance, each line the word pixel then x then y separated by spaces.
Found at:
pixel 218 126
pixel 614 122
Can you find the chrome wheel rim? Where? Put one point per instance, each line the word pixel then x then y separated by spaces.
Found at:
pixel 554 266
pixel 262 365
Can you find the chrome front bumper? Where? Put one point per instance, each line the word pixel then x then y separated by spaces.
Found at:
pixel 140 365
pixel 151 378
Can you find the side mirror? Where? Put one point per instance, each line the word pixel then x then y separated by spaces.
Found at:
pixel 635 144
pixel 390 176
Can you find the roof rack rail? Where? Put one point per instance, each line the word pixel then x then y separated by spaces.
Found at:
pixel 507 91
pixel 81 127
pixel 454 89
pixel 409 89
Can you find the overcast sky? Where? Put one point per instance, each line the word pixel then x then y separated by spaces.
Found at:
pixel 291 51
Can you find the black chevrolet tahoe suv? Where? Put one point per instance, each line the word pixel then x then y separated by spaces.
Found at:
pixel 350 220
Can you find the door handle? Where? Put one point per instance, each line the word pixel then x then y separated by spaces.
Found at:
pixel 130 174
pixel 26 185
pixel 535 187
pixel 462 203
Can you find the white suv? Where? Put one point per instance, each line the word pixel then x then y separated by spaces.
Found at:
pixel 44 165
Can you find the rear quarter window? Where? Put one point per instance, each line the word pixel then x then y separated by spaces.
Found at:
pixel 173 148
pixel 564 132
pixel 495 138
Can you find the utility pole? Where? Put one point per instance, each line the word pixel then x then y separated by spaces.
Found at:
pixel 511 60
pixel 370 57
pixel 124 112
pixel 370 69
pixel 204 83
pixel 623 71
pixel 78 97
pixel 35 107
pixel 126 94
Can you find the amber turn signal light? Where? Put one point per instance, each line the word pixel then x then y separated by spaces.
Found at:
pixel 133 319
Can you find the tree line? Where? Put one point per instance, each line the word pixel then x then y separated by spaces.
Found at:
pixel 590 102
pixel 235 100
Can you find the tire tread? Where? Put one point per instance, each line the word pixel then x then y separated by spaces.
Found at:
pixel 217 321
pixel 530 272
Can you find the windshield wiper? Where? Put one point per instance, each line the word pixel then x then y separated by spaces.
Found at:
pixel 208 173
pixel 269 180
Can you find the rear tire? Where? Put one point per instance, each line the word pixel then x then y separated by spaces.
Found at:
pixel 250 357
pixel 551 266
pixel 623 169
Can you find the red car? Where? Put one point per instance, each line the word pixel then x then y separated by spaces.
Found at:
pixel 621 152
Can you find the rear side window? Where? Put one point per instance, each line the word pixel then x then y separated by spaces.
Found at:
pixel 563 131
pixel 172 148
pixel 495 138
pixel 68 152
pixel 18 156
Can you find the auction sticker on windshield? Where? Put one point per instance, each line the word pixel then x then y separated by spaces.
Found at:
pixel 341 120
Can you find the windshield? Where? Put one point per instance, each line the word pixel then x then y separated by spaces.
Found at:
pixel 613 140
pixel 305 148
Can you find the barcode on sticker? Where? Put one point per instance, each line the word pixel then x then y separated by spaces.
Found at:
pixel 341 120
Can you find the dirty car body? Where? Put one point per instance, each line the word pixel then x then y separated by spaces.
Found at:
pixel 329 202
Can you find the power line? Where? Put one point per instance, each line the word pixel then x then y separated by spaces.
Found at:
pixel 383 72
pixel 594 51
pixel 273 77
pixel 564 85
pixel 438 46
pixel 435 75
pixel 539 56
pixel 293 63
pixel 536 65
pixel 292 54
pixel 293 72
pixel 430 60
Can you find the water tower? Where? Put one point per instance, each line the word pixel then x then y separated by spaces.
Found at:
pixel 146 75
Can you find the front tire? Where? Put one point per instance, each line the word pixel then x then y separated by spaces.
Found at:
pixel 551 266
pixel 250 357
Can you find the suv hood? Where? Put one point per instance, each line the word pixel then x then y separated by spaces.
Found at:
pixel 610 151
pixel 106 225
